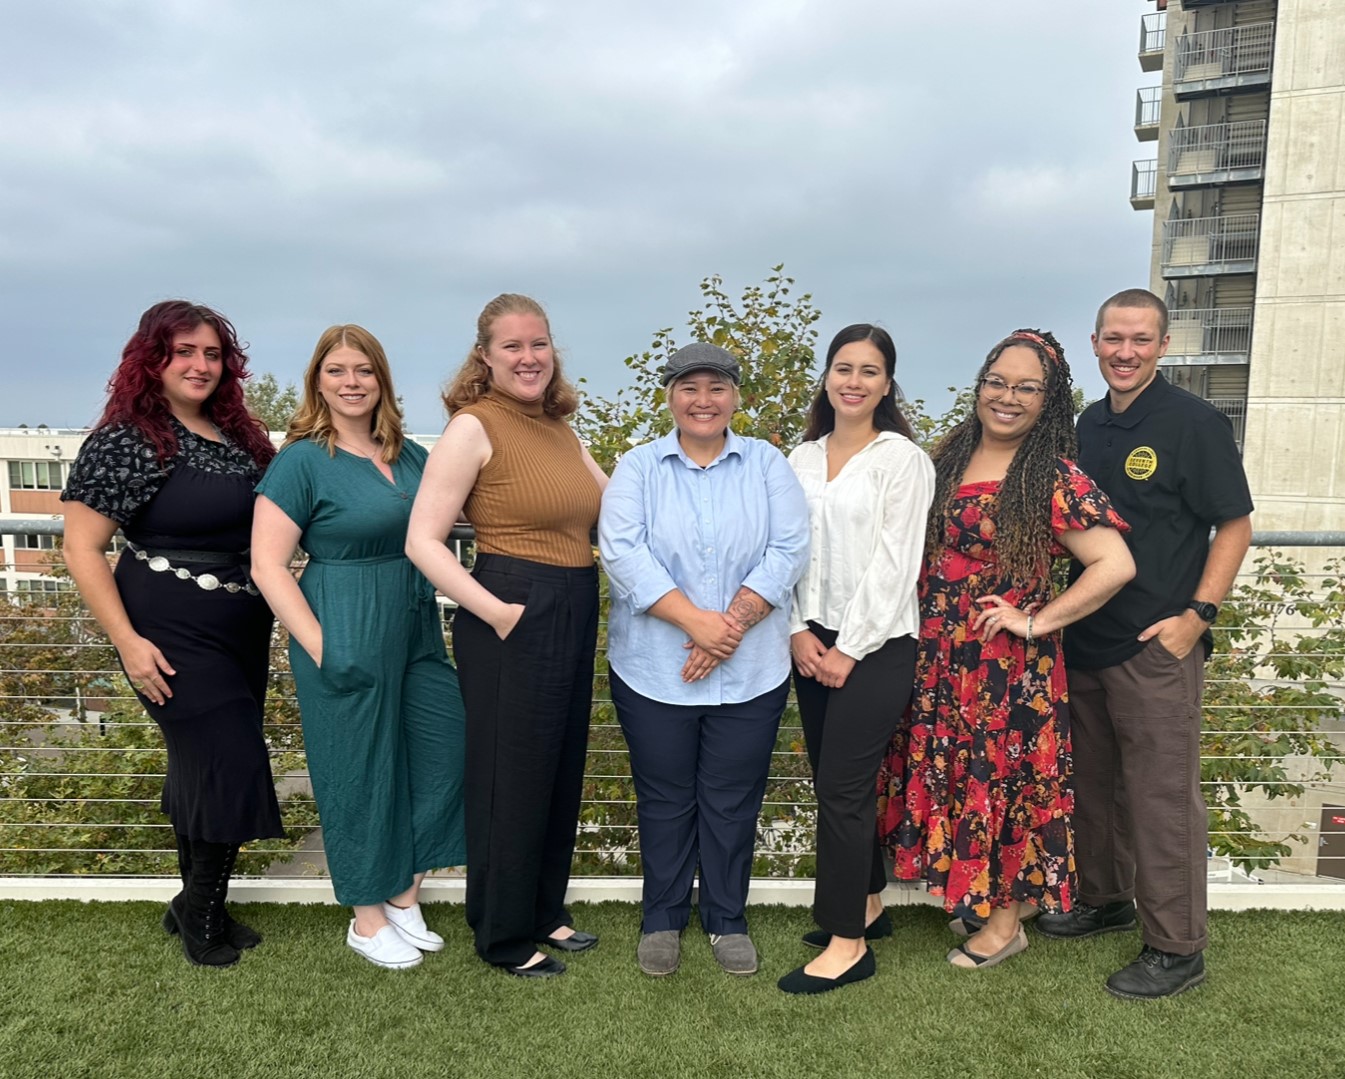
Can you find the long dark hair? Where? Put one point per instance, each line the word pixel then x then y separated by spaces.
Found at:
pixel 887 416
pixel 135 390
pixel 1023 532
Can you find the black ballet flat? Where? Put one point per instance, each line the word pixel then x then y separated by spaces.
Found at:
pixel 578 941
pixel 547 968
pixel 801 983
pixel 879 928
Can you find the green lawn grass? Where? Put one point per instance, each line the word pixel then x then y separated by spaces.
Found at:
pixel 99 991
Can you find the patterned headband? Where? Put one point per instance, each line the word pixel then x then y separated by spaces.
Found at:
pixel 1028 335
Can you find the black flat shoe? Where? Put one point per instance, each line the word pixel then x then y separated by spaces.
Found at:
pixel 800 982
pixel 547 968
pixel 880 927
pixel 578 941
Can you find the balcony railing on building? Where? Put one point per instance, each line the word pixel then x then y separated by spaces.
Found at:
pixel 1153 36
pixel 1148 111
pixel 1205 246
pixel 1235 408
pixel 1215 61
pixel 1143 183
pixel 1217 154
pixel 1210 335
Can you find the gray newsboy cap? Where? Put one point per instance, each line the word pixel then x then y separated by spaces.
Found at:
pixel 702 356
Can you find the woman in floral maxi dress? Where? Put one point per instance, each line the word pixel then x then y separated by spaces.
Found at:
pixel 976 794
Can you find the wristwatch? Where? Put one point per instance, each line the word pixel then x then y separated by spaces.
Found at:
pixel 1207 611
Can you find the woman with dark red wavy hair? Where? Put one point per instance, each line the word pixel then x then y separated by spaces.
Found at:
pixel 173 462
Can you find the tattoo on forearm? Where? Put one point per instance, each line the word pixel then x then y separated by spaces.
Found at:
pixel 748 608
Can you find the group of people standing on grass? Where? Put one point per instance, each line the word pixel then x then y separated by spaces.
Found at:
pixel 908 596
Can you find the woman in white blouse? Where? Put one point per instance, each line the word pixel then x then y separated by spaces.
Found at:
pixel 855 623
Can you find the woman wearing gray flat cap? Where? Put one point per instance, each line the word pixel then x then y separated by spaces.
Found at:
pixel 703 533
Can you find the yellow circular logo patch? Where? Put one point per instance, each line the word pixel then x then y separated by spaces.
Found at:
pixel 1141 463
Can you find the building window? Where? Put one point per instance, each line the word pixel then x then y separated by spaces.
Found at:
pixel 28 585
pixel 36 475
pixel 29 541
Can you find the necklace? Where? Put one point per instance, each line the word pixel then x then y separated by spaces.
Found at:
pixel 357 450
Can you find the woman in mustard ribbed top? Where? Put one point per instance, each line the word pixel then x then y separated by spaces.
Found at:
pixel 526 626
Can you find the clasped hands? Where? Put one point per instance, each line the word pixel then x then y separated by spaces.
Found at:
pixel 830 666
pixel 715 636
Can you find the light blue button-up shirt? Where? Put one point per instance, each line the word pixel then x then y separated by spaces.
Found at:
pixel 669 524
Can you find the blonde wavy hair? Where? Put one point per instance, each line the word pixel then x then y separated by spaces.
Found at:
pixel 472 380
pixel 313 419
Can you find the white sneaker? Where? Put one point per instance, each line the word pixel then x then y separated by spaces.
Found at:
pixel 385 948
pixel 410 926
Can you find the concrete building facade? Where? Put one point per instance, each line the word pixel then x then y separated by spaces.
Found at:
pixel 1248 194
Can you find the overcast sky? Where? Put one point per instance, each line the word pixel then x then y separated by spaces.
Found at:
pixel 950 170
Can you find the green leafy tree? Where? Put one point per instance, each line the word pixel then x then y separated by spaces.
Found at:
pixel 269 402
pixel 928 427
pixel 769 330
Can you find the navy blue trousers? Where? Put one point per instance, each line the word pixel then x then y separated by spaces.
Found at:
pixel 700 774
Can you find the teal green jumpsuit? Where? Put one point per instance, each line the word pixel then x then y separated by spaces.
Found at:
pixel 383 718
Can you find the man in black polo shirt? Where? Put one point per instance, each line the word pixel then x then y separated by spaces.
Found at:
pixel 1168 461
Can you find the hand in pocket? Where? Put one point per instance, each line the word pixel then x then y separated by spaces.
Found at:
pixel 504 625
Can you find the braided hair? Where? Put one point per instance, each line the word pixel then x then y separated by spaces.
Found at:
pixel 1022 513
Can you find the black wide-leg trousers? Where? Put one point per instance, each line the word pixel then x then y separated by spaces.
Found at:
pixel 847 731
pixel 528 700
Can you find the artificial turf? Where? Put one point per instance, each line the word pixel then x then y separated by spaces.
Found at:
pixel 98 990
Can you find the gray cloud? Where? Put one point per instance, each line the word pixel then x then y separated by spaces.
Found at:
pixel 953 174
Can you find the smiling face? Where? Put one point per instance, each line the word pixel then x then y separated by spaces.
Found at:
pixel 348 384
pixel 857 381
pixel 1007 415
pixel 702 404
pixel 192 373
pixel 1128 346
pixel 520 356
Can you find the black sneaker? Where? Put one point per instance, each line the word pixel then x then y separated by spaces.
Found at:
pixel 1157 974
pixel 1085 921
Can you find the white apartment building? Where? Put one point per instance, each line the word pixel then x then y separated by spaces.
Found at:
pixel 34 462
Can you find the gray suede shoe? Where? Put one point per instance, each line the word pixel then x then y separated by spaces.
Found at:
pixel 735 952
pixel 660 953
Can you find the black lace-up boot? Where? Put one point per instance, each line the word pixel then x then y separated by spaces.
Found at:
pixel 198 910
pixel 236 933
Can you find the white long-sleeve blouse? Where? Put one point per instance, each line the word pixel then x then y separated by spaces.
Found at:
pixel 868 539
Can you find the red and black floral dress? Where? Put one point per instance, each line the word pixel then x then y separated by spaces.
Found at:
pixel 975 796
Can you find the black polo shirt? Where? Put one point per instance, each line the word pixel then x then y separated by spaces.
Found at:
pixel 1171 468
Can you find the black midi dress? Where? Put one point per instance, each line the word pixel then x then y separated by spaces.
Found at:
pixel 206 618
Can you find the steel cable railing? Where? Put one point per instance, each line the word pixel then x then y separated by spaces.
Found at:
pixel 81 764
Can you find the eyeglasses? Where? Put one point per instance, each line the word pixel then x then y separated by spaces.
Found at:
pixel 995 387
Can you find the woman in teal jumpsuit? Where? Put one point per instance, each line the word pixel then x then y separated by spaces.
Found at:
pixel 382 715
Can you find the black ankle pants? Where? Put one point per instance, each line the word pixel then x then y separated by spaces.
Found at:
pixel 847 731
